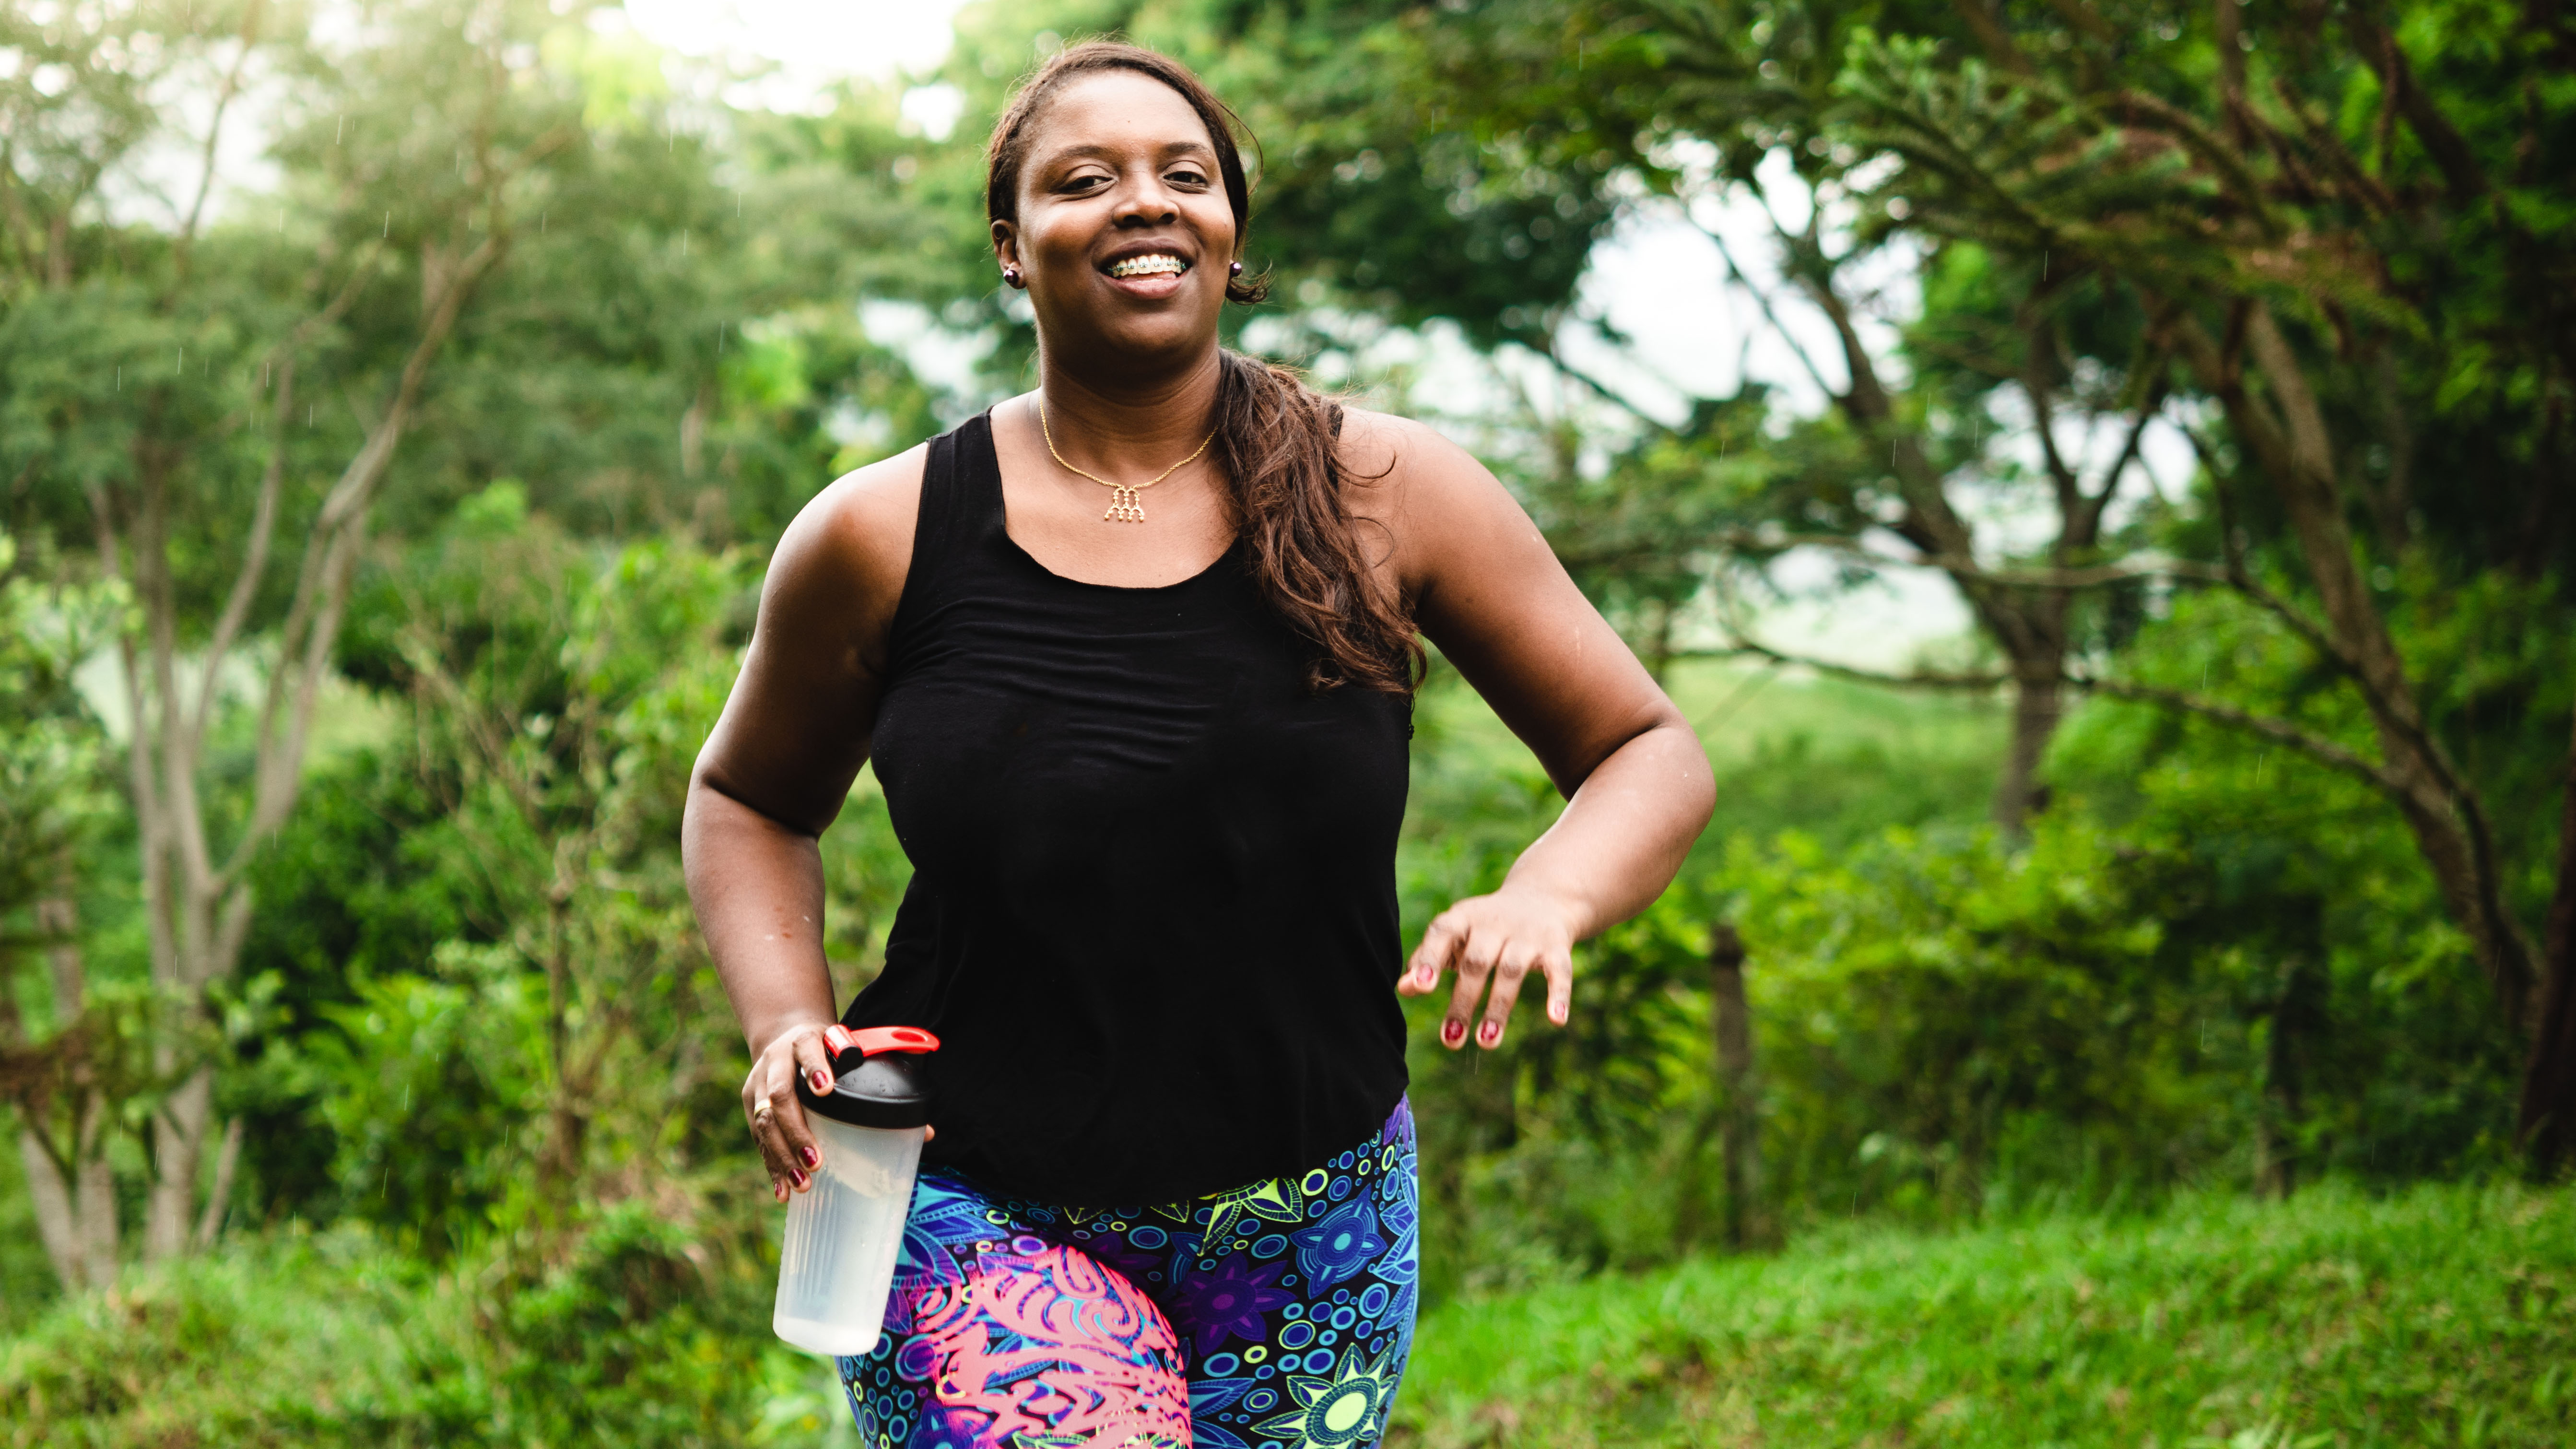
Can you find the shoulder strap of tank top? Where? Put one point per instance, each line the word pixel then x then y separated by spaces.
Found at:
pixel 961 496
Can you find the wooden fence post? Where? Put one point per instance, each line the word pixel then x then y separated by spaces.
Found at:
pixel 1740 1129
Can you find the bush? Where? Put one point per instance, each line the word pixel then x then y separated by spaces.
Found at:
pixel 643 1336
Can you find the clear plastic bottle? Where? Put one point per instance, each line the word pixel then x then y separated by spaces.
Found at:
pixel 843 1234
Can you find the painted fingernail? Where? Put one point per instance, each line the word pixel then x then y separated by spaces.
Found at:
pixel 812 1157
pixel 822 1080
pixel 1452 1032
pixel 801 1180
pixel 1488 1035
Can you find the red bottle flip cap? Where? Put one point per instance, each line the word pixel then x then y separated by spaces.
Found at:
pixel 875 1081
pixel 876 1040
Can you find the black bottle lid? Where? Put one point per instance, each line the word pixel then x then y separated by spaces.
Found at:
pixel 878 1081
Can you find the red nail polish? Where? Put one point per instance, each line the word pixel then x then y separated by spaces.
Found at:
pixel 822 1081
pixel 812 1157
pixel 1488 1034
pixel 801 1180
pixel 1453 1032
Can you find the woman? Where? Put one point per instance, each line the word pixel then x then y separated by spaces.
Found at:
pixel 1134 656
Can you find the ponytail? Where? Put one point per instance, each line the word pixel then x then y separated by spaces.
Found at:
pixel 1275 442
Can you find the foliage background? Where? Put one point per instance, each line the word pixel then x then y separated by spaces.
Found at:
pixel 2036 1062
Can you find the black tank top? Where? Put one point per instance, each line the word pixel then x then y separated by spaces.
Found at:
pixel 1152 917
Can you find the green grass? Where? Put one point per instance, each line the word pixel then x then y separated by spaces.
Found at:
pixel 1741 709
pixel 1836 760
pixel 2438 1317
pixel 301 1341
pixel 1744 710
pixel 337 1339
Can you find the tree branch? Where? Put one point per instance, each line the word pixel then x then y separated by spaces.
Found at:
pixel 263 528
pixel 2279 731
pixel 2442 141
pixel 264 512
pixel 313 618
pixel 186 241
pixel 2069 488
pixel 1556 359
pixel 1762 301
pixel 1968 570
pixel 1747 646
pixel 2152 409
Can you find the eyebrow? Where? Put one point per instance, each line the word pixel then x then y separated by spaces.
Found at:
pixel 1092 149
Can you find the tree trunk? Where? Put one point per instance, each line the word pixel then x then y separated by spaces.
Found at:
pixel 2038 705
pixel 178 1151
pixel 94 1195
pixel 2289 442
pixel 51 1199
pixel 219 1197
pixel 2295 1018
pixel 2549 1075
pixel 72 1191
pixel 198 907
pixel 1740 1141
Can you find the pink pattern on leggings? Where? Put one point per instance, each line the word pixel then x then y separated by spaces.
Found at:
pixel 1056 1349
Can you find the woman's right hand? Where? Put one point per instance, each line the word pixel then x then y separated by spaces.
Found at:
pixel 787 1145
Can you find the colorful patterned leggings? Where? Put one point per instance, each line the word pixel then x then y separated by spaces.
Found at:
pixel 1275 1316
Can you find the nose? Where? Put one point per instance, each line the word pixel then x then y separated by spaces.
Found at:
pixel 1144 201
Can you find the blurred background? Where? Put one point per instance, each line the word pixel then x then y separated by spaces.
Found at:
pixel 2097 473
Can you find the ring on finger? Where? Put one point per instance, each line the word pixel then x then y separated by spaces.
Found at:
pixel 760 1113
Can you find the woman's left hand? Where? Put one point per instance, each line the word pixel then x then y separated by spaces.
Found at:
pixel 1498 939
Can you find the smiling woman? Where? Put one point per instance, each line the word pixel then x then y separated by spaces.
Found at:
pixel 1149 766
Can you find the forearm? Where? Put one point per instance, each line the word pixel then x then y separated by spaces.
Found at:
pixel 757 887
pixel 1625 833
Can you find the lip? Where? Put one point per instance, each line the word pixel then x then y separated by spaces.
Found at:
pixel 1156 286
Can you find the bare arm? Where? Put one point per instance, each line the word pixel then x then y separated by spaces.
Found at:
pixel 1489 592
pixel 773 774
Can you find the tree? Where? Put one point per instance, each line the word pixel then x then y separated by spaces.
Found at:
pixel 69 1078
pixel 2227 183
pixel 2324 239
pixel 222 400
pixel 169 377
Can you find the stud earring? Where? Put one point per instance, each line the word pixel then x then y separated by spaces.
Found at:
pixel 1011 275
pixel 1234 269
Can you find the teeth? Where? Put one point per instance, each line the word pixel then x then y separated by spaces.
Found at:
pixel 1148 266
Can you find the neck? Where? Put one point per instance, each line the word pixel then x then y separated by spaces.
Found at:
pixel 1123 425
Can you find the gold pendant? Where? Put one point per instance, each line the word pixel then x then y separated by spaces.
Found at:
pixel 1124 506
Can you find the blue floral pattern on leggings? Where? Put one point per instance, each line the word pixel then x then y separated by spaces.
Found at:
pixel 1289 1305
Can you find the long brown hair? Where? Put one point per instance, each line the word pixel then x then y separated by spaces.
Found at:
pixel 1274 435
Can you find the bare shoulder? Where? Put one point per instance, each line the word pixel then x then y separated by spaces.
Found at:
pixel 1379 446
pixel 854 538
pixel 827 606
pixel 1440 505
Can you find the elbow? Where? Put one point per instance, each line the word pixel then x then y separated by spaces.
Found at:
pixel 1663 748
pixel 1695 796
pixel 715 801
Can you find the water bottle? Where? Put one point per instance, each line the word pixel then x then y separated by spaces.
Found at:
pixel 844 1232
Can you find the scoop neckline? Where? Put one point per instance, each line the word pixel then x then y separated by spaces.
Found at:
pixel 1002 523
pixel 1033 561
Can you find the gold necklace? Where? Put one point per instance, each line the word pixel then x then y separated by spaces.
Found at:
pixel 1124 505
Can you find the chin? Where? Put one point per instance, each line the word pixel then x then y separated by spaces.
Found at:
pixel 1171 335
